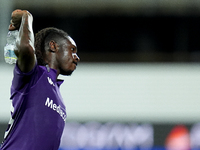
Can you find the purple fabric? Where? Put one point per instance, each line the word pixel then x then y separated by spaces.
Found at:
pixel 39 112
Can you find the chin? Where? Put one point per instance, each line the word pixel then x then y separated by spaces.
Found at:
pixel 67 73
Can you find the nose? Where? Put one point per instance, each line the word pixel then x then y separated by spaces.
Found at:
pixel 75 56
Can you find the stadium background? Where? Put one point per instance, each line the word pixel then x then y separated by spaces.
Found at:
pixel 137 85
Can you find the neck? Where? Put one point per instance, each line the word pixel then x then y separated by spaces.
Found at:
pixel 51 62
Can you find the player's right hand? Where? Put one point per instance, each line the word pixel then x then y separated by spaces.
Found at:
pixel 16 18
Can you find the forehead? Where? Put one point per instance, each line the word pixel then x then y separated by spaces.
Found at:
pixel 71 41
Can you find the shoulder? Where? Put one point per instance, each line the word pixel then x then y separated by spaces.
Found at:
pixel 21 79
pixel 37 68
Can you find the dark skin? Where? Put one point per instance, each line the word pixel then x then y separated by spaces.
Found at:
pixel 61 56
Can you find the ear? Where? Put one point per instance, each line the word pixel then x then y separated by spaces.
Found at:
pixel 53 47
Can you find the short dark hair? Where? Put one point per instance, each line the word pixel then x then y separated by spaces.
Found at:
pixel 42 37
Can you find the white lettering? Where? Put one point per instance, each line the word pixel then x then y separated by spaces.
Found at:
pixel 54 106
pixel 58 109
pixel 49 103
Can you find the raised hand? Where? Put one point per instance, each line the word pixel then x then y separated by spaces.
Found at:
pixel 16 18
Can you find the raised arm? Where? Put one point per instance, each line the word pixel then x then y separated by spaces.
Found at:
pixel 22 21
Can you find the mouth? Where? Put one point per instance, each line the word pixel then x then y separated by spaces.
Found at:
pixel 75 63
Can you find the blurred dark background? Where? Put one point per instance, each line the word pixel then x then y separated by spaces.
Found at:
pixel 128 31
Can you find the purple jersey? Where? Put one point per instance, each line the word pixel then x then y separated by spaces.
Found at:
pixel 38 112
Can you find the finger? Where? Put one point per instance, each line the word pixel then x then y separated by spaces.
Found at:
pixel 11 27
pixel 11 21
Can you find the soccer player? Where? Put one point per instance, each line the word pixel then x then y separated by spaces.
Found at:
pixel 38 113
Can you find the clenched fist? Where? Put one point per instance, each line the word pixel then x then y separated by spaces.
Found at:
pixel 16 18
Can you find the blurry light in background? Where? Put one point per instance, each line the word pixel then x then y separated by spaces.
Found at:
pixel 95 135
pixel 178 139
pixel 195 136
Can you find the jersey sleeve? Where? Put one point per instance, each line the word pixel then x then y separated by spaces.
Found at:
pixel 21 81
